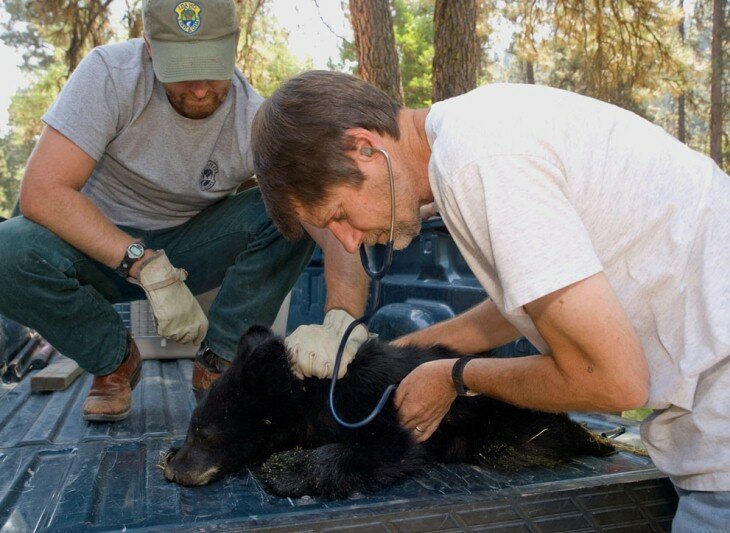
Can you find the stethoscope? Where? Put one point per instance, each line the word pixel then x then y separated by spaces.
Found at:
pixel 376 276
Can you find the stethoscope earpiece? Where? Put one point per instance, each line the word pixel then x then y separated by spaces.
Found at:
pixel 367 151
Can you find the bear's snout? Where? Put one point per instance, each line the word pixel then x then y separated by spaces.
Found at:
pixel 188 466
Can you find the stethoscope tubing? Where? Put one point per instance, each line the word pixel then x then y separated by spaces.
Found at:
pixel 376 276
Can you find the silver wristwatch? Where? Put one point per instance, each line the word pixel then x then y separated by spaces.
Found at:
pixel 134 253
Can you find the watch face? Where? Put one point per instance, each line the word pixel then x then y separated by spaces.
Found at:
pixel 135 250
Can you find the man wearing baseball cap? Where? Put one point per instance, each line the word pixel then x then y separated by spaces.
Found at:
pixel 131 192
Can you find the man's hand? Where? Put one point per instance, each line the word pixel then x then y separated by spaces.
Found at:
pixel 177 312
pixel 424 397
pixel 313 349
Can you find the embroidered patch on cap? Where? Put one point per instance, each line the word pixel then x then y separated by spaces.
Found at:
pixel 188 16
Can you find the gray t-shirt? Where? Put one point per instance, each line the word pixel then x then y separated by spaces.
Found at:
pixel 155 168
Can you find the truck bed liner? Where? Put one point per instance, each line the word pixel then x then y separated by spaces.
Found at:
pixel 59 473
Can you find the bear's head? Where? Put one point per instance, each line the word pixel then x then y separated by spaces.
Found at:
pixel 246 415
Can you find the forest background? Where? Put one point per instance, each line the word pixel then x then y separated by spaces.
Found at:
pixel 667 60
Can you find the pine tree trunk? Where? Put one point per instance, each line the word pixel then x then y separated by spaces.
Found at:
pixel 133 19
pixel 718 25
pixel 681 115
pixel 455 48
pixel 530 72
pixel 377 57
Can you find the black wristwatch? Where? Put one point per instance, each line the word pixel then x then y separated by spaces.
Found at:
pixel 134 253
pixel 457 375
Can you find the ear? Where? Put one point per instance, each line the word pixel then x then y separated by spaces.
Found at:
pixel 254 336
pixel 360 140
pixel 147 43
pixel 267 368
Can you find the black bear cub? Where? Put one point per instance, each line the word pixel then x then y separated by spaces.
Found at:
pixel 258 414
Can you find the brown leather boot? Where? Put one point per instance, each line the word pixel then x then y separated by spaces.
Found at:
pixel 208 367
pixel 110 397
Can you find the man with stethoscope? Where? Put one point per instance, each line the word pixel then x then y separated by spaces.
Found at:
pixel 596 234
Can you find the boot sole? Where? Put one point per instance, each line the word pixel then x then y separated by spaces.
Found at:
pixel 103 417
pixel 100 417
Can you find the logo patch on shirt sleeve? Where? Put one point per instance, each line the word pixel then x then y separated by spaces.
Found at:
pixel 188 16
pixel 208 176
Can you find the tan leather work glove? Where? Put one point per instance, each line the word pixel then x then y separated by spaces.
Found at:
pixel 177 313
pixel 312 349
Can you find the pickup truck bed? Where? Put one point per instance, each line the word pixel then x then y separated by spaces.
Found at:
pixel 59 473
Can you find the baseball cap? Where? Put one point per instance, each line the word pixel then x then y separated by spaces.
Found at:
pixel 191 40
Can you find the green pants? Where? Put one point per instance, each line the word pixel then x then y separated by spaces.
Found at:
pixel 67 297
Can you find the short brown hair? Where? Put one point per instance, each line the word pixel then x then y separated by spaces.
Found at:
pixel 299 142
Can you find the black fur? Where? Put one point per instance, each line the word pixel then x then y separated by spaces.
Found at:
pixel 259 414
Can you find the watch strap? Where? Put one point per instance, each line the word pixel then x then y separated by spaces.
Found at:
pixel 457 376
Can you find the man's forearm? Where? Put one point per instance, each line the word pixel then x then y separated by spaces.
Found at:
pixel 50 196
pixel 347 283
pixel 479 329
pixel 74 218
pixel 537 382
pixel 595 362
pixel 344 276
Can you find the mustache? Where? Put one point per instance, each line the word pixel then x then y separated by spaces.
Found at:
pixel 372 238
pixel 190 97
pixel 190 106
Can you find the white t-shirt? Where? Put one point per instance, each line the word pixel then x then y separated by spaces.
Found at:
pixel 542 188
pixel 155 168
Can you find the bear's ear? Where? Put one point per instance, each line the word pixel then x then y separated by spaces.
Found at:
pixel 267 368
pixel 253 337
